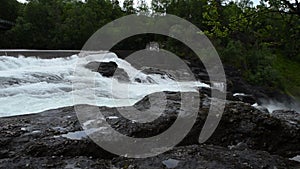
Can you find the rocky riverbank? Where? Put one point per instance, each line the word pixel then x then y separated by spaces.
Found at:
pixel 245 138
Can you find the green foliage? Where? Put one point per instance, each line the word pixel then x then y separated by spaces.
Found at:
pixel 128 7
pixel 9 9
pixel 143 7
pixel 60 24
pixel 160 6
pixel 256 63
pixel 260 68
pixel 289 72
pixel 233 54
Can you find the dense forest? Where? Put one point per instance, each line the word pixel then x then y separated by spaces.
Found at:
pixel 261 41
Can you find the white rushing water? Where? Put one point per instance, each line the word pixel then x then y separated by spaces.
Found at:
pixel 32 85
pixel 273 105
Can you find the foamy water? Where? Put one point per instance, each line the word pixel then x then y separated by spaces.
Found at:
pixel 32 85
pixel 273 105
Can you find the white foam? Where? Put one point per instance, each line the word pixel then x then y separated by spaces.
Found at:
pixel 31 85
pixel 239 94
pixel 112 117
pixel 274 105
pixel 219 86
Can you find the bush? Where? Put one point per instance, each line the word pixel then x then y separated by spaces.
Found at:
pixel 256 63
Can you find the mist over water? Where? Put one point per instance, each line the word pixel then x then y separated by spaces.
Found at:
pixel 273 105
pixel 32 85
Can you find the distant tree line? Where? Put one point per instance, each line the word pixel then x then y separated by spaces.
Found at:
pixel 255 39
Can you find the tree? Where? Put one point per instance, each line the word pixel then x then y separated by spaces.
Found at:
pixel 143 8
pixel 160 6
pixel 285 6
pixel 9 9
pixel 128 7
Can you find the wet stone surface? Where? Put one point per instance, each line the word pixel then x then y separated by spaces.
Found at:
pixel 245 138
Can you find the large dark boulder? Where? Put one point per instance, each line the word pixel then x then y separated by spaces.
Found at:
pixel 106 69
pixel 109 69
pixel 163 74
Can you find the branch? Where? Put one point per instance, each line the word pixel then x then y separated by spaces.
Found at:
pixel 298 5
pixel 291 6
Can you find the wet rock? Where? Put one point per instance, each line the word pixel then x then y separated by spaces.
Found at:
pixel 121 75
pixel 195 156
pixel 4 154
pixel 253 134
pixel 106 69
pixel 287 116
pixel 156 71
pixel 261 108
pixel 148 79
pixel 171 163
pixel 200 73
pixel 259 130
pixel 209 156
pixel 246 98
pixel 239 146
pixel 109 69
